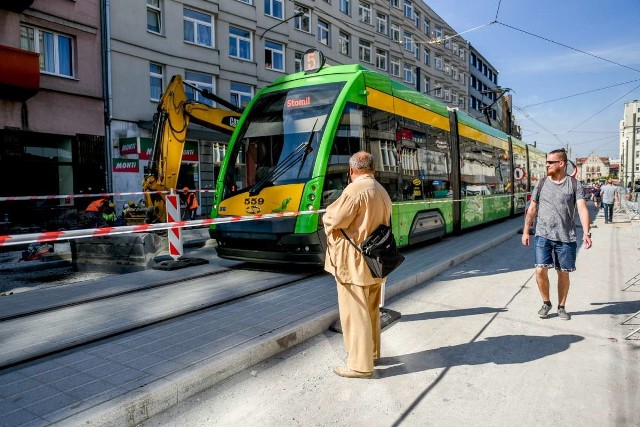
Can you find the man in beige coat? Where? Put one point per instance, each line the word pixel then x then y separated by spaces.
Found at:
pixel 361 208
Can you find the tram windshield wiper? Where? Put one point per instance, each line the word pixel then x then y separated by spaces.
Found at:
pixel 299 154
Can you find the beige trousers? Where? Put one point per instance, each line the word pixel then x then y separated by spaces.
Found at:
pixel 360 322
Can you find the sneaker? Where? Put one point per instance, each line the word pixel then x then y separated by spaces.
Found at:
pixel 562 314
pixel 544 311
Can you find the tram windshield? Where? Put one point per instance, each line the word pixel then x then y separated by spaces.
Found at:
pixel 278 142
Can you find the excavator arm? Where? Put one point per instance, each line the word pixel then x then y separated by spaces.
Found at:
pixel 170 124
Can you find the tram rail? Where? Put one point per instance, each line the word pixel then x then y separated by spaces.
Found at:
pixel 61 325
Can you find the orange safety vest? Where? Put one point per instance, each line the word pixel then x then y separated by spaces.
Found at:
pixel 192 201
pixel 95 206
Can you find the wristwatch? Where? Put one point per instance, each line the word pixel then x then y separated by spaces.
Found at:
pixel 589 234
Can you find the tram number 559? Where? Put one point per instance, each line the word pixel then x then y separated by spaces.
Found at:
pixel 253 205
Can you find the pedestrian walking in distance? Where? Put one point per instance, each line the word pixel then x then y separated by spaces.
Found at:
pixel 554 201
pixel 609 194
pixel 363 205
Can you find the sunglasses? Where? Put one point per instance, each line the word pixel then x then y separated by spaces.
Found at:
pixel 551 162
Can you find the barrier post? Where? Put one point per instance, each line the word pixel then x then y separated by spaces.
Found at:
pixel 174 234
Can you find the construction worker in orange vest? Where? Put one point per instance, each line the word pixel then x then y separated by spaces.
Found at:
pixel 191 204
pixel 94 212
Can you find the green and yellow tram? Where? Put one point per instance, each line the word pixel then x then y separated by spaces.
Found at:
pixel 444 170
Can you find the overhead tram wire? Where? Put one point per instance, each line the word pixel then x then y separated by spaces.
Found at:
pixel 524 112
pixel 581 93
pixel 497 11
pixel 589 118
pixel 567 46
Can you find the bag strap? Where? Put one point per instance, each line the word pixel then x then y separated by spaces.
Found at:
pixel 350 241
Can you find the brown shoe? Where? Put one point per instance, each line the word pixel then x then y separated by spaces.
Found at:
pixel 343 371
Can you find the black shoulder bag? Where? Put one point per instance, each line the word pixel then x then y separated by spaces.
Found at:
pixel 379 251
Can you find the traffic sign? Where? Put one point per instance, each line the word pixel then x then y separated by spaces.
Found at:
pixel 518 174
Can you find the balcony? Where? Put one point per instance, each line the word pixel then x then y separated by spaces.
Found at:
pixel 19 73
pixel 15 5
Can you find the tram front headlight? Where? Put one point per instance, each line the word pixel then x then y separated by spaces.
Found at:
pixel 309 207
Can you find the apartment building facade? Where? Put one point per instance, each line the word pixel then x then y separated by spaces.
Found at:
pixel 51 107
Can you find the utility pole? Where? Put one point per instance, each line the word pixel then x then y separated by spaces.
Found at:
pixel 633 152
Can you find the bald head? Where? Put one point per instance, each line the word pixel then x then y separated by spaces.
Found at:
pixel 361 163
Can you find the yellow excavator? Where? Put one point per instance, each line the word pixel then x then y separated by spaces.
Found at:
pixel 170 123
pixel 135 252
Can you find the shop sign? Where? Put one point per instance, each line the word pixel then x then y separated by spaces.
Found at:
pixel 190 152
pixel 126 165
pixel 146 148
pixel 128 146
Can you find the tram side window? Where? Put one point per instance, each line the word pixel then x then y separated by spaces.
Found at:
pixel 348 140
pixel 349 136
pixel 484 168
pixel 427 166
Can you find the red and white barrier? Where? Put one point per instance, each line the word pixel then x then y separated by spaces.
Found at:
pixel 70 197
pixel 52 236
pixel 174 233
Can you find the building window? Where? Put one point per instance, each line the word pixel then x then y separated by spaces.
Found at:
pixel 416 18
pixel 425 27
pixel 438 62
pixel 274 55
pixel 437 32
pixel 364 51
pixel 364 12
pixel 395 32
pixel 323 32
pixel 408 41
pixel 156 81
pixel 154 16
pixel 408 73
pixel 246 1
pixel 408 9
pixel 274 8
pixel 240 44
pixel 240 94
pixel 427 57
pixel 297 62
pixel 344 43
pixel 381 21
pixel 345 6
pixel 201 81
pixel 437 91
pixel 395 67
pixel 395 3
pixel 218 151
pixel 426 82
pixel 302 23
pixel 56 50
pixel 198 28
pixel 381 59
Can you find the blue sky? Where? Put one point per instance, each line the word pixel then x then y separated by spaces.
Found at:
pixel 540 71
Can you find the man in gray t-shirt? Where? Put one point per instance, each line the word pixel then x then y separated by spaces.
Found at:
pixel 609 195
pixel 555 242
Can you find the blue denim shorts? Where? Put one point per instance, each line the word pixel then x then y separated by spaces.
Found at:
pixel 553 254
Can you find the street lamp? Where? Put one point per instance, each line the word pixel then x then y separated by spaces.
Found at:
pixel 295 15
